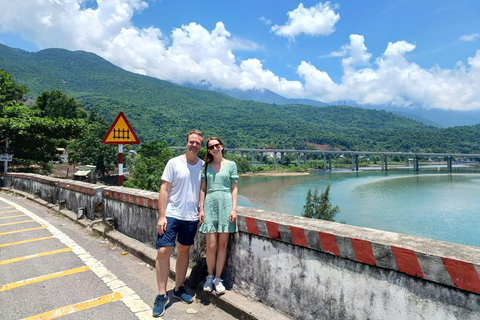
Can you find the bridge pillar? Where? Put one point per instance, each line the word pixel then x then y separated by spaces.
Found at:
pixel 324 161
pixel 305 158
pixel 415 163
pixel 274 157
pixel 356 162
pixel 242 153
pixel 253 158
pixel 261 157
pixel 384 162
pixel 449 163
pixel 330 162
pixel 298 159
pixel 282 158
pixel 353 162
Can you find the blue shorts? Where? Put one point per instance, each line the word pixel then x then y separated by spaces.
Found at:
pixel 186 231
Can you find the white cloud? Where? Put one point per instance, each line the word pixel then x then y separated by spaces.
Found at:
pixel 190 54
pixel 194 54
pixel 396 81
pixel 317 20
pixel 469 37
pixel 357 50
pixel 266 21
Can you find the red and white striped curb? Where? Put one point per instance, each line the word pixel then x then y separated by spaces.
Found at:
pixel 452 272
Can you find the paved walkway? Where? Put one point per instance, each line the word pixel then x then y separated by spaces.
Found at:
pixel 205 306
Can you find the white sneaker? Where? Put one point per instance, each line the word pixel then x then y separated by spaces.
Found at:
pixel 207 287
pixel 219 288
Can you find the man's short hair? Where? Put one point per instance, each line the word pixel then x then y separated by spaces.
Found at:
pixel 197 132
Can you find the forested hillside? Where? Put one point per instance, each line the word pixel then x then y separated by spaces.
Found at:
pixel 160 110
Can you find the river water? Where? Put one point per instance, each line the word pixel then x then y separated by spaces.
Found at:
pixel 431 203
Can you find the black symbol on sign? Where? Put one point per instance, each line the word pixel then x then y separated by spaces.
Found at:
pixel 121 134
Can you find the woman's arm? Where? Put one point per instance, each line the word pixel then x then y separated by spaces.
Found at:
pixel 233 214
pixel 201 214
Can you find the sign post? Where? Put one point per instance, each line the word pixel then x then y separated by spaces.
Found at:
pixel 5 158
pixel 120 133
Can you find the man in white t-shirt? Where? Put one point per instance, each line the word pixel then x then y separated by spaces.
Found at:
pixel 178 199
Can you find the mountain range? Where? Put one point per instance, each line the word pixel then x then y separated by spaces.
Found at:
pixel 161 110
pixel 440 118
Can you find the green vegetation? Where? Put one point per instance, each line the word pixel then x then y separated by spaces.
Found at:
pixel 90 149
pixel 159 110
pixel 69 85
pixel 148 165
pixel 32 135
pixel 319 207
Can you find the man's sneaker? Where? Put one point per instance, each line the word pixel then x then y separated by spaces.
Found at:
pixel 208 286
pixel 161 302
pixel 219 288
pixel 182 295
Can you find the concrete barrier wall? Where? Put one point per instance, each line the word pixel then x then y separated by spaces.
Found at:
pixel 134 212
pixel 313 269
pixel 79 194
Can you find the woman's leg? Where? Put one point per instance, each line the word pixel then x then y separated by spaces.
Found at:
pixel 222 243
pixel 211 251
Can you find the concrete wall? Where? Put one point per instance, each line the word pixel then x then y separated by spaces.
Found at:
pixel 310 269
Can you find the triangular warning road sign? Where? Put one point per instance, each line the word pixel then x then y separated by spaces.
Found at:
pixel 120 132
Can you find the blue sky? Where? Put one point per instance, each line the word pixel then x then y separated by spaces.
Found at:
pixel 408 53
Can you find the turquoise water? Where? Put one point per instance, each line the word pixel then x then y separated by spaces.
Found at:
pixel 431 204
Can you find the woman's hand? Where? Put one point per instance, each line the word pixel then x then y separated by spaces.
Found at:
pixel 201 216
pixel 233 215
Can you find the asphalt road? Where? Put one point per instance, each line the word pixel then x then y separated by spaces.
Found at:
pixel 51 267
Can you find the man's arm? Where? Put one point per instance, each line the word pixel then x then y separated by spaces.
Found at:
pixel 162 206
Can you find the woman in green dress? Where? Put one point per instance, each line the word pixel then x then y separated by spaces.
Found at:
pixel 218 210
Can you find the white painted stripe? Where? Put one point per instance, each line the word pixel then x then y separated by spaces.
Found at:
pixel 130 297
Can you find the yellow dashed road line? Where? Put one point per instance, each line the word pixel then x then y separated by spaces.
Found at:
pixel 41 254
pixel 20 215
pixel 9 211
pixel 59 274
pixel 120 290
pixel 59 312
pixel 17 222
pixel 24 241
pixel 23 230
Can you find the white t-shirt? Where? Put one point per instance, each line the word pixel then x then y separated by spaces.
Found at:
pixel 184 196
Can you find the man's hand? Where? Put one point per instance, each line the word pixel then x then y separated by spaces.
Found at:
pixel 162 225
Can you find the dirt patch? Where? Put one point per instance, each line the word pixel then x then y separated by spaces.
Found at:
pixel 322 147
pixel 63 171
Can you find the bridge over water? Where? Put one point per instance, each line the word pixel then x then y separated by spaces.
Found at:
pixel 354 155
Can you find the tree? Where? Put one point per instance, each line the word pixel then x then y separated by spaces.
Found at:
pixel 35 137
pixel 148 166
pixel 9 90
pixel 55 104
pixel 90 150
pixel 319 207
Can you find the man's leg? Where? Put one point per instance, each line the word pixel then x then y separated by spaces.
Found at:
pixel 162 266
pixel 183 255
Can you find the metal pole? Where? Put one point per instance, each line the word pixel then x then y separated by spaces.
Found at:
pixel 120 165
pixel 5 164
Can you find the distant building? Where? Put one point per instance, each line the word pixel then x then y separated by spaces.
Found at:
pixel 62 155
pixel 85 173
